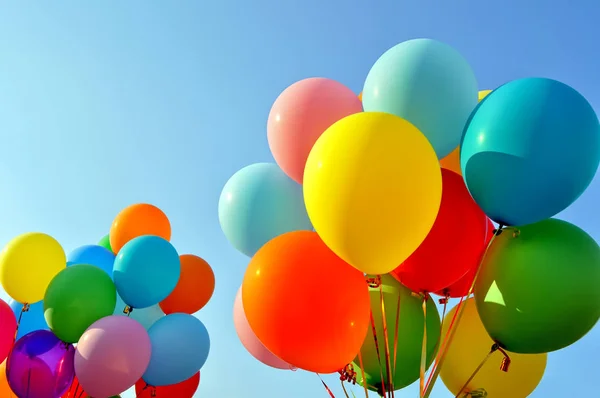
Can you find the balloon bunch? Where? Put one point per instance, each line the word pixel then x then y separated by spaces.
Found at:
pixel 106 317
pixel 379 200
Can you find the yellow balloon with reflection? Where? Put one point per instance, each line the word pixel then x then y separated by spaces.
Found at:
pixel 27 265
pixel 470 345
pixel 5 390
pixel 372 189
pixel 452 161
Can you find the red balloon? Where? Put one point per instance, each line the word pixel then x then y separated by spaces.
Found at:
pixel 185 389
pixel 461 287
pixel 305 304
pixel 454 244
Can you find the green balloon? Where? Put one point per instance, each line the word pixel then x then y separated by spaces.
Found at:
pixel 409 340
pixel 538 288
pixel 76 297
pixel 105 243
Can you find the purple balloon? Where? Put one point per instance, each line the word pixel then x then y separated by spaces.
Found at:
pixel 40 366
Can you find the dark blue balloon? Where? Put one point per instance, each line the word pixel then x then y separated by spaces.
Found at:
pixel 31 320
pixel 93 255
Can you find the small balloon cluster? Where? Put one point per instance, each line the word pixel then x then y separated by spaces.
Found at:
pixel 420 185
pixel 106 317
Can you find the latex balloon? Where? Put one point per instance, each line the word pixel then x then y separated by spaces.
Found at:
pixel 194 289
pixel 180 347
pixel 427 83
pixel 102 346
pixel 470 345
pixel 453 246
pixel 301 113
pixel 31 320
pixel 146 316
pixel 40 366
pixel 362 194
pixel 27 265
pixel 259 203
pixel 76 391
pixel 77 297
pixel 405 345
pixel 462 287
pixel 512 143
pixel 105 243
pixel 452 161
pixel 312 328
pixel 8 329
pixel 146 271
pixel 360 96
pixel 185 389
pixel 249 339
pixel 5 390
pixel 138 220
pixel 538 292
pixel 93 255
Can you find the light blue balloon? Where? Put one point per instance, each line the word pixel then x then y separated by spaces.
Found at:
pixel 32 320
pixel 93 255
pixel 530 149
pixel 258 204
pixel 180 347
pixel 146 271
pixel 427 83
pixel 146 316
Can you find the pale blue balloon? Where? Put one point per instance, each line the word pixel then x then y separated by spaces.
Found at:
pixel 530 149
pixel 31 320
pixel 145 316
pixel 93 255
pixel 258 204
pixel 180 347
pixel 146 271
pixel 427 83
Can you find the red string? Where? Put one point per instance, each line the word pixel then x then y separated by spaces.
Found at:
pixel 325 385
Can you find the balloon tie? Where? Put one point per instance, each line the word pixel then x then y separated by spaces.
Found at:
pixel 325 385
pixel 505 364
pixel 128 310
pixel 388 364
pixel 362 372
pixel 348 374
pixel 479 393
pixel 494 348
pixel 444 300
pixel 25 308
pixel 374 282
pixel 456 319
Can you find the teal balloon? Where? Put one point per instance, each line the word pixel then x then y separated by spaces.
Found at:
pixel 529 150
pixel 427 83
pixel 259 203
pixel 146 316
pixel 538 289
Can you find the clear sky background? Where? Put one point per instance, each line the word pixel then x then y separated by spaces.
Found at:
pixel 107 103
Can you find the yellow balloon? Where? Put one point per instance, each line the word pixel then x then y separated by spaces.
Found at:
pixel 470 345
pixel 452 161
pixel 372 188
pixel 28 264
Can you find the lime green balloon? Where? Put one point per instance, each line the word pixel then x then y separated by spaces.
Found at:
pixel 105 243
pixel 409 340
pixel 539 289
pixel 78 296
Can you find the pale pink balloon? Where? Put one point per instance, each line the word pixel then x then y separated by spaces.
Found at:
pixel 111 356
pixel 299 116
pixel 249 339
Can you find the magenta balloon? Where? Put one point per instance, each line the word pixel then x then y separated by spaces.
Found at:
pixel 40 366
pixel 112 354
pixel 8 329
pixel 249 339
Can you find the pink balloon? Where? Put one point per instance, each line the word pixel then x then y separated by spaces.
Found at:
pixel 299 116
pixel 8 329
pixel 249 339
pixel 111 356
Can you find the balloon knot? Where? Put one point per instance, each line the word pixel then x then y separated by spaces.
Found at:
pixel 444 300
pixel 153 392
pixel 374 282
pixel 348 374
pixel 128 310
pixel 516 233
pixel 420 295
pixel 25 307
pixel 479 393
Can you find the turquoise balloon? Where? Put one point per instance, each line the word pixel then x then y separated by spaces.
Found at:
pixel 258 204
pixel 427 83
pixel 146 316
pixel 529 150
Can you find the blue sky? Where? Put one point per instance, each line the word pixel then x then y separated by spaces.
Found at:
pixel 108 103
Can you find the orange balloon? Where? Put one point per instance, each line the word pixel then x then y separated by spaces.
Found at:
pixel 360 96
pixel 194 289
pixel 185 389
pixel 5 390
pixel 305 304
pixel 137 220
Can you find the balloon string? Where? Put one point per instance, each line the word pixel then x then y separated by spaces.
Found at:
pixel 344 388
pixel 325 385
pixel 423 349
pixel 388 365
pixel 362 372
pixel 457 317
pixel 143 389
pixel 396 337
pixel 477 369
pixel 25 308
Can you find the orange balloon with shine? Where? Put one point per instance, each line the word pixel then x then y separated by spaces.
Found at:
pixel 137 220
pixel 194 289
pixel 5 390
